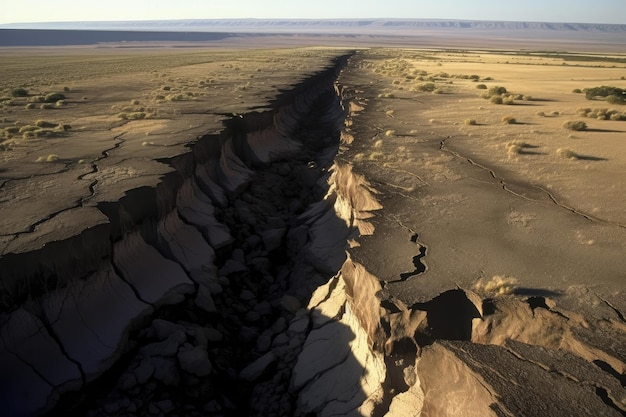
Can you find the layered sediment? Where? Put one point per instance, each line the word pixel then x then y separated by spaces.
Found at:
pixel 244 284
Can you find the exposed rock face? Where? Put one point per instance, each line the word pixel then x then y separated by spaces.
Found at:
pixel 237 287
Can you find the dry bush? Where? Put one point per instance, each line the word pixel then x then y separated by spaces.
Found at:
pixel 576 125
pixel 509 120
pixel 516 147
pixel 496 100
pixel 470 122
pixel 496 286
pixel 567 153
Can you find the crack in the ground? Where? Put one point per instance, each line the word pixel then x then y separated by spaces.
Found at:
pixel 505 187
pixel 79 203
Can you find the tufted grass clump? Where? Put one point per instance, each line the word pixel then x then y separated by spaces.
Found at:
pixel 137 115
pixel 516 147
pixel 567 153
pixel 509 120
pixel 575 125
pixel 426 87
pixel 496 286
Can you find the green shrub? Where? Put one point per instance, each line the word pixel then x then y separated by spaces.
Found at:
pixel 481 86
pixel 575 125
pixel 605 91
pixel 577 91
pixel 19 92
pixel 615 99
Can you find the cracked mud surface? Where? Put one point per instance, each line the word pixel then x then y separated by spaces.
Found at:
pixel 341 248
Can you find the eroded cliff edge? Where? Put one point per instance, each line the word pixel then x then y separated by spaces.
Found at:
pixel 249 282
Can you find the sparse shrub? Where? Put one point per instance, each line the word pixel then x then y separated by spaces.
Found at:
pixel 540 114
pixel 44 124
pixel 508 100
pixel 577 91
pixel 134 102
pixel 175 97
pixel 166 88
pixel 515 147
pixel 19 92
pixel 31 106
pixel 132 116
pixel 496 286
pixel 46 106
pixel 577 125
pixel 474 77
pixel 554 113
pixel 567 153
pixel 496 100
pixel 37 99
pixel 66 89
pixel 509 120
pixel 49 158
pixel 583 111
pixel 426 87
pixel 54 97
pixel 390 133
pixel 470 122
pixel 526 97
pixel 497 91
pixel 60 103
pixel 481 86
pixel 374 156
pixel 28 128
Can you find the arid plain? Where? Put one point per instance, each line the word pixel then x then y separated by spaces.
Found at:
pixel 346 230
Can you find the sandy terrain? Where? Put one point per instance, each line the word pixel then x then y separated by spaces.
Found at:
pixel 311 231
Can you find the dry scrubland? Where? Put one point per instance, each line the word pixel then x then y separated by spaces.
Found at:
pixel 63 110
pixel 523 114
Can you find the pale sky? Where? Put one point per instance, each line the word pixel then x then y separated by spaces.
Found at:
pixel 579 11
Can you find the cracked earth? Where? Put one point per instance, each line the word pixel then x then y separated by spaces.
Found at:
pixel 343 247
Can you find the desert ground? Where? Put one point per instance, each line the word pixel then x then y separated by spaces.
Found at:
pixel 292 231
